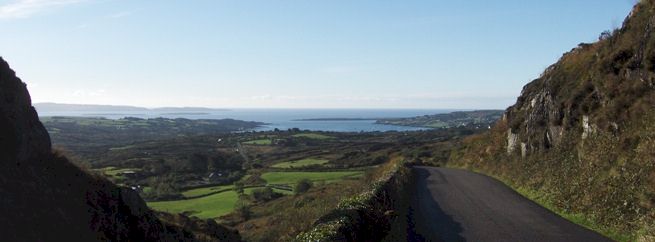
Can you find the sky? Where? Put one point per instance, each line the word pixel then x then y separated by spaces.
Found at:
pixel 420 54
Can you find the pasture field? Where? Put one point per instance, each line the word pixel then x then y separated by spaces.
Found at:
pixel 300 163
pixel 294 176
pixel 313 136
pixel 259 142
pixel 206 190
pixel 211 206
pixel 204 207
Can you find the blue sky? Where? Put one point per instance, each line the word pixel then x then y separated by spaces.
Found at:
pixel 293 54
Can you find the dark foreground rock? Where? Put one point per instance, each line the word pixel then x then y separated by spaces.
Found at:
pixel 44 197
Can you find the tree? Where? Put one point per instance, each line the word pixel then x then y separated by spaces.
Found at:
pixel 303 186
pixel 238 187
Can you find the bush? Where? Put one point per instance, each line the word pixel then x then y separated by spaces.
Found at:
pixel 303 186
pixel 265 194
pixel 242 209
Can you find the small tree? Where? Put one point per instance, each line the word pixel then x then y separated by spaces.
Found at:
pixel 303 186
pixel 238 187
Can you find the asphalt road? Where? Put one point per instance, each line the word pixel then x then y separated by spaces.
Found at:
pixel 458 205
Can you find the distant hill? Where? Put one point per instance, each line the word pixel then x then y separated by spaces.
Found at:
pixel 482 118
pixel 84 135
pixel 60 107
pixel 47 198
pixel 582 135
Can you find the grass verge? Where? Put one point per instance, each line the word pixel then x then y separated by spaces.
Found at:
pixel 579 219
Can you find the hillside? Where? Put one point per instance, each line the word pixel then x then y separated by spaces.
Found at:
pixel 474 119
pixel 46 198
pixel 85 108
pixel 581 137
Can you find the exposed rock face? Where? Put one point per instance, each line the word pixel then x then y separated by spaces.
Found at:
pixel 586 130
pixel 512 138
pixel 43 197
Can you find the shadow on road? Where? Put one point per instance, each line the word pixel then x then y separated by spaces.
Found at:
pixel 427 221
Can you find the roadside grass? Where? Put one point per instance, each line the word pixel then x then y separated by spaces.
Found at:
pixel 259 142
pixel 313 136
pixel 576 218
pixel 300 163
pixel 579 219
pixel 293 177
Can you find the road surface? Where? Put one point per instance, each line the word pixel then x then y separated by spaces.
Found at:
pixel 458 205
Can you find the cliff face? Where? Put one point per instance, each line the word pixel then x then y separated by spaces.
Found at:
pixel 604 85
pixel 46 198
pixel 583 133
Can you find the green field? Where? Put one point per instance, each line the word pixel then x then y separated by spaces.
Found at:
pixel 258 142
pixel 301 163
pixel 294 177
pixel 313 136
pixel 205 190
pixel 205 207
pixel 223 203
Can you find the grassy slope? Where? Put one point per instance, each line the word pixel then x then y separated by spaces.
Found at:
pixel 283 218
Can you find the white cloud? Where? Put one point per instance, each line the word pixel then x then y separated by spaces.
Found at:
pixel 27 8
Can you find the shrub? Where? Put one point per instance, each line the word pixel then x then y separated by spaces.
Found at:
pixel 303 186
pixel 265 194
pixel 242 209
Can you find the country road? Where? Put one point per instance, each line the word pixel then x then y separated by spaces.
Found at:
pixel 458 205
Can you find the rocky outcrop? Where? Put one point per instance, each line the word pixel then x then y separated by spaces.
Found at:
pixel 585 130
pixel 43 197
pixel 22 136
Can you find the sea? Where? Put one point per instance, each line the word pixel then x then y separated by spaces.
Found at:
pixel 350 120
